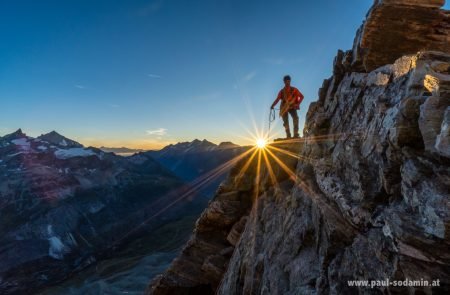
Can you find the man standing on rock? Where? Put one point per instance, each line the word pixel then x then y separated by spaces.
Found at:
pixel 291 98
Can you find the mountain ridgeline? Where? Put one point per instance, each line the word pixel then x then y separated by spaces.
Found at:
pixel 364 196
pixel 81 219
pixel 199 160
pixel 65 207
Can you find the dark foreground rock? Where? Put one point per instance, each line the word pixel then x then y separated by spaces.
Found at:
pixel 204 259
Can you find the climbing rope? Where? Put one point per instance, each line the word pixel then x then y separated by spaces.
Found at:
pixel 271 119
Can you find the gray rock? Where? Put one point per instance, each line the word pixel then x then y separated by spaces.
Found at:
pixel 443 139
pixel 367 197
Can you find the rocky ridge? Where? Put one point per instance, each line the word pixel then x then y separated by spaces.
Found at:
pixel 395 28
pixel 368 197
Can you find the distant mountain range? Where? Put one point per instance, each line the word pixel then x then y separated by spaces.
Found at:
pixel 64 207
pixel 197 160
pixel 192 160
pixel 121 150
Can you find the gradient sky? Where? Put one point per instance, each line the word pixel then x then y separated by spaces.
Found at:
pixel 147 73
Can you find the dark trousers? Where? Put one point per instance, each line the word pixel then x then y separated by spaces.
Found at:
pixel 294 116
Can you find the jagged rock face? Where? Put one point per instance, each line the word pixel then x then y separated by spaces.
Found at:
pixel 372 197
pixel 395 28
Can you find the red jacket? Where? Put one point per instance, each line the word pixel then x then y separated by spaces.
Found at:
pixel 293 97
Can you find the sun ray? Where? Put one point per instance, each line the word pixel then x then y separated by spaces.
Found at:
pixel 246 165
pixel 192 188
pixel 251 134
pixel 293 155
pixel 285 152
pixel 291 174
pixel 258 174
pixel 221 168
pixel 269 168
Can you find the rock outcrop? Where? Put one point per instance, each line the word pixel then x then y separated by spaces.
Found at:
pixel 394 28
pixel 366 197
pixel 371 202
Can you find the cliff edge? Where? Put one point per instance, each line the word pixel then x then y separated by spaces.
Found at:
pixel 363 196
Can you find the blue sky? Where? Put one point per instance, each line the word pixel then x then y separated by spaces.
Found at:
pixel 147 73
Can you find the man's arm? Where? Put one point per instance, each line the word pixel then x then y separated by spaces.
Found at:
pixel 299 96
pixel 276 100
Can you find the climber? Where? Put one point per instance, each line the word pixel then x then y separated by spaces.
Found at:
pixel 291 98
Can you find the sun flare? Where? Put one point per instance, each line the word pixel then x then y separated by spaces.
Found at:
pixel 261 143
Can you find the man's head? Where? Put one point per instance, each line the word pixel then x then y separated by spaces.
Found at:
pixel 287 80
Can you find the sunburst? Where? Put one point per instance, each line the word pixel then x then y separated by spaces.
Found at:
pixel 261 143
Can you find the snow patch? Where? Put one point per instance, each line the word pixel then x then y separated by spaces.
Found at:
pixel 74 152
pixel 50 230
pixel 42 148
pixel 23 143
pixel 15 154
pixel 20 141
pixel 63 142
pixel 56 249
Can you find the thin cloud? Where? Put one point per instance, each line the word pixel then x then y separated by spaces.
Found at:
pixel 157 132
pixel 112 105
pixel 154 76
pixel 79 86
pixel 250 76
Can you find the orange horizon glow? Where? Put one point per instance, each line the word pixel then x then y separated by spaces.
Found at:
pixel 131 144
pixel 153 145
